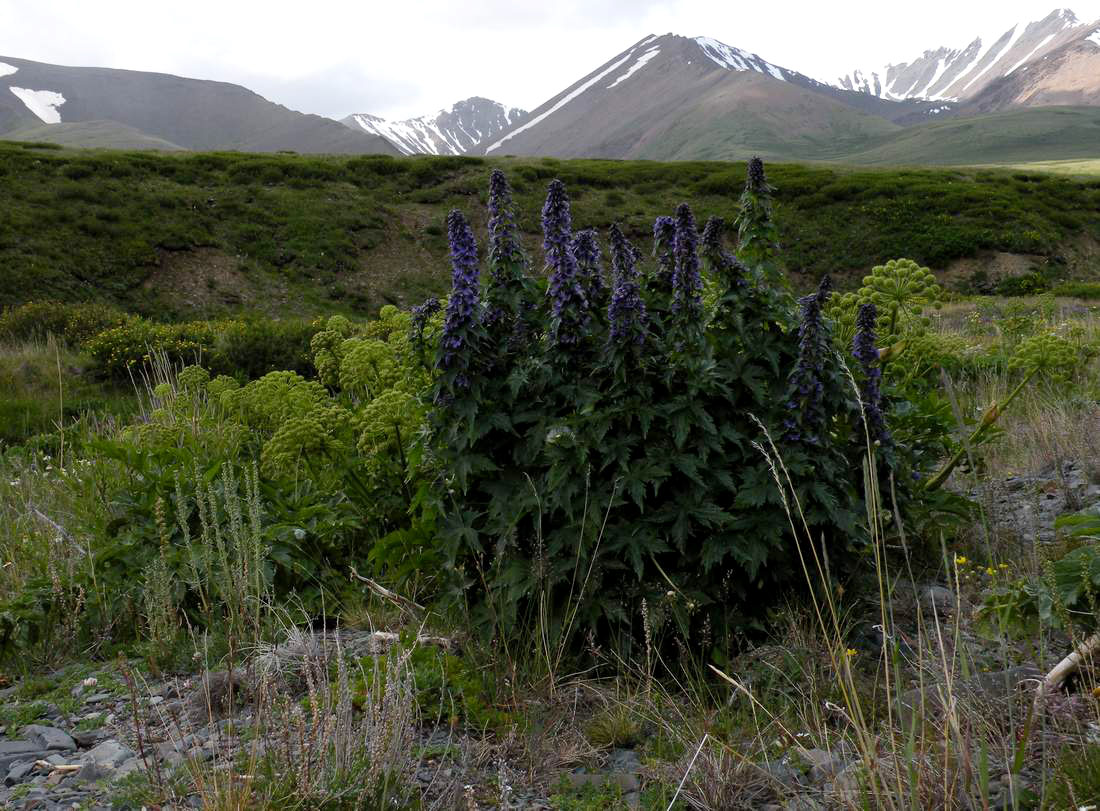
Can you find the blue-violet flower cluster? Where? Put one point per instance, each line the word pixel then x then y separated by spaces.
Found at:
pixel 866 352
pixel 687 284
pixel 626 313
pixel 462 308
pixel 569 306
pixel 808 417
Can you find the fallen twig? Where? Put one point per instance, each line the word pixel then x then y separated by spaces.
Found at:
pixel 1066 668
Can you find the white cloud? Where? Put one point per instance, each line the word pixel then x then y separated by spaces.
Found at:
pixel 408 58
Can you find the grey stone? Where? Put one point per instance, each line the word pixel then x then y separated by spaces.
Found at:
pixel 96 698
pixel 132 765
pixel 802 803
pixel 18 771
pixel 624 760
pixel 49 737
pixel 823 764
pixel 7 760
pixel 624 780
pixel 87 738
pixel 783 773
pixel 17 747
pixel 89 771
pixel 110 754
pixel 939 598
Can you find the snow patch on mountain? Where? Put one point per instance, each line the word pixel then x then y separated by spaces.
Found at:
pixel 948 74
pixel 43 103
pixel 1094 38
pixel 563 101
pixel 736 59
pixel 6 69
pixel 1031 53
pixel 448 132
pixel 641 63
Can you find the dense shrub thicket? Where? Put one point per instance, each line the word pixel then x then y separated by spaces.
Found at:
pixel 356 233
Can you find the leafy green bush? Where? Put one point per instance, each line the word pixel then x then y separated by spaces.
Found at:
pixel 609 449
pixel 1090 291
pixel 72 323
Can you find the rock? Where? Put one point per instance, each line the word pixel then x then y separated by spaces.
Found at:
pixel 132 765
pixel 823 764
pixel 18 771
pixel 623 760
pixel 97 698
pixel 25 752
pixel 940 599
pixel 16 747
pixel 88 737
pixel 89 771
pixel 110 755
pixel 784 774
pixel 624 780
pixel 1003 684
pixel 49 737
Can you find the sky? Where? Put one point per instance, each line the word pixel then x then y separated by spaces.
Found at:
pixel 403 58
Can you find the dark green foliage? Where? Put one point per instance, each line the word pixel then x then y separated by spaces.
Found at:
pixel 584 480
pixel 299 227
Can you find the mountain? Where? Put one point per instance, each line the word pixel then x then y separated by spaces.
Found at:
pixel 671 97
pixel 449 132
pixel 186 113
pixel 1008 58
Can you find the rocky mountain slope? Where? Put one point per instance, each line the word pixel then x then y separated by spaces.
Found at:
pixel 185 113
pixel 1017 57
pixel 449 132
pixel 671 97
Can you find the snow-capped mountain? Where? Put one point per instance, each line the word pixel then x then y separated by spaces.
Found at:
pixel 673 97
pixel 448 132
pixel 134 109
pixel 947 74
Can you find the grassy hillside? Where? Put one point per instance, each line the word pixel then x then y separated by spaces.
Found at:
pixel 203 233
pixel 91 135
pixel 1014 136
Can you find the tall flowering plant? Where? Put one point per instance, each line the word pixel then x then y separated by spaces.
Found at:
pixel 569 314
pixel 610 412
pixel 757 235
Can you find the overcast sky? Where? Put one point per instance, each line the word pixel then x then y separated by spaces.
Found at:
pixel 401 58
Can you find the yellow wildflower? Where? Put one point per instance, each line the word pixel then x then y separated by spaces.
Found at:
pixel 960 560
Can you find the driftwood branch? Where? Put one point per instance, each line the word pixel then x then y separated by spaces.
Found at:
pixel 1066 668
pixel 403 603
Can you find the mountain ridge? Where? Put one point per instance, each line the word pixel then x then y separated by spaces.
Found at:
pixel 467 124
pixel 190 113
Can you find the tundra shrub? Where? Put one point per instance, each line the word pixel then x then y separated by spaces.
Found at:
pixel 605 451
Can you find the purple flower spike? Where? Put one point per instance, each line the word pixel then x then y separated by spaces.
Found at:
pixel 586 250
pixel 664 242
pixel 557 223
pixel 687 284
pixel 866 352
pixel 721 261
pixel 462 309
pixel 569 313
pixel 807 403
pixel 626 313
pixel 504 250
pixel 757 181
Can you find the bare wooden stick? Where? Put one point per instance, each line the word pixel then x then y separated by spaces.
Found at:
pixel 1066 668
pixel 403 603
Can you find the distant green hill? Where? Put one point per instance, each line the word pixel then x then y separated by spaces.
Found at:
pixel 200 233
pixel 1015 136
pixel 91 135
